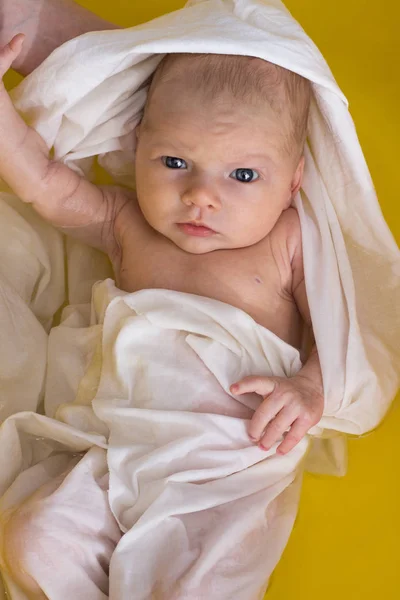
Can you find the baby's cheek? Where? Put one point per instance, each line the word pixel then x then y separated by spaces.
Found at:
pixel 252 226
pixel 156 208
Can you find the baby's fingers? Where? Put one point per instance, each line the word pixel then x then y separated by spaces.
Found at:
pixel 298 430
pixel 260 385
pixel 263 416
pixel 10 52
pixel 276 428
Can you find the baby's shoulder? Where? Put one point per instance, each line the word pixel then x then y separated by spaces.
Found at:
pixel 120 217
pixel 283 243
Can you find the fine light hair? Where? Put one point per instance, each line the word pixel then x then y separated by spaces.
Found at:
pixel 245 79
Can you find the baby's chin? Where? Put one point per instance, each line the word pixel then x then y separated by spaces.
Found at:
pixel 198 245
pixel 204 245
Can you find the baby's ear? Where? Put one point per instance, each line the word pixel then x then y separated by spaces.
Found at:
pixel 298 177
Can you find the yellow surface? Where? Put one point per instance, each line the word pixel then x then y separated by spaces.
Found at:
pixel 345 543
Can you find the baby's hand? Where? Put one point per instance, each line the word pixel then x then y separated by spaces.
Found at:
pixel 293 404
pixel 10 52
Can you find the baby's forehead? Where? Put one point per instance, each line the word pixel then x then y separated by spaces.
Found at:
pixel 245 79
pixel 193 112
pixel 225 135
pixel 216 84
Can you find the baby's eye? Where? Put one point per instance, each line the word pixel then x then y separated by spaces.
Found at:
pixel 244 175
pixel 172 162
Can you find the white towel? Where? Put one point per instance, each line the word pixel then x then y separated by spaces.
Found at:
pixel 88 96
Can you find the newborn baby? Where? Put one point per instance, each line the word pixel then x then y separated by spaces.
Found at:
pixel 219 160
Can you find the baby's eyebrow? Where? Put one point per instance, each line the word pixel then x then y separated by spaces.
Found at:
pixel 252 161
pixel 265 157
pixel 239 159
pixel 164 143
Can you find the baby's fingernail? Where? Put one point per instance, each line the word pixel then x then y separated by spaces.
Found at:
pixel 234 388
pixel 262 447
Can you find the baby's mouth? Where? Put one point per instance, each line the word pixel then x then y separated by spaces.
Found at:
pixel 196 229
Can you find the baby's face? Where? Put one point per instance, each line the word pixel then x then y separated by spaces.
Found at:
pixel 212 177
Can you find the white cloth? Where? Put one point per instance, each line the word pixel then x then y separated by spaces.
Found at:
pixel 57 514
pixel 205 512
pixel 86 99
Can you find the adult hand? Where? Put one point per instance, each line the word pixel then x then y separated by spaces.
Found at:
pixel 46 24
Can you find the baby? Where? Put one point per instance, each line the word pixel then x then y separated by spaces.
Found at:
pixel 219 159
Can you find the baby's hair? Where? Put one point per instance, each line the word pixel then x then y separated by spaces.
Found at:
pixel 248 80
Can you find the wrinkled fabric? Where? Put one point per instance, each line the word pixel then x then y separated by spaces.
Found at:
pixel 57 528
pixel 143 388
pixel 170 467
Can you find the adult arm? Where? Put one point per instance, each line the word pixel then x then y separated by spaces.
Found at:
pixel 46 24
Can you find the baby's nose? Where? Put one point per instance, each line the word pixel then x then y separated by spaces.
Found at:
pixel 202 195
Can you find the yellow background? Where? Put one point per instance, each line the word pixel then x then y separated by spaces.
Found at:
pixel 345 544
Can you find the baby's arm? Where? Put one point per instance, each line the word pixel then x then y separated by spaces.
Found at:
pixel 57 193
pixel 291 406
pixel 312 368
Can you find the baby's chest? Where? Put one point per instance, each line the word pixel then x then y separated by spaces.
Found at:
pixel 251 279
